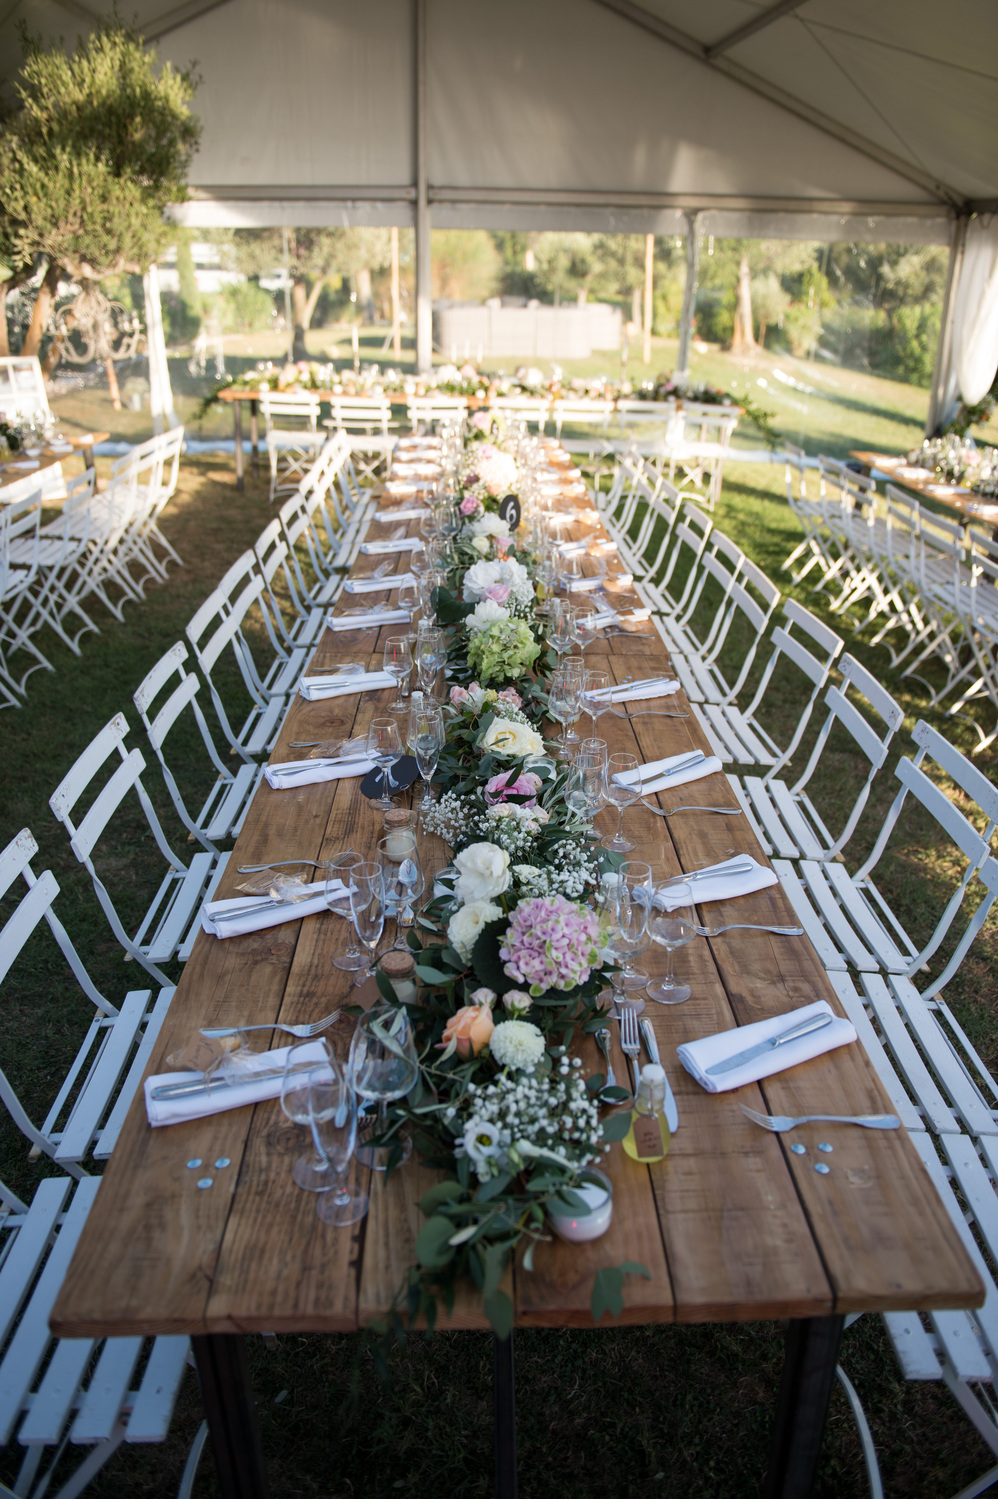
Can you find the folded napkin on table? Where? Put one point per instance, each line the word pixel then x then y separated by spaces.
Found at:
pixel 601 617
pixel 292 773
pixel 697 1056
pixel 636 692
pixel 378 585
pixel 220 1097
pixel 261 912
pixel 401 512
pixel 720 884
pixel 402 544
pixel 407 486
pixel 566 547
pixel 367 618
pixel 585 585
pixel 317 689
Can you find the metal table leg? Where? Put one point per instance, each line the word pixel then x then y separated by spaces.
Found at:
pixel 231 1415
pixel 255 435
pixel 237 432
pixel 504 1396
pixel 812 1351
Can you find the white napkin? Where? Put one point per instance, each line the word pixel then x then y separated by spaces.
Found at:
pixel 317 689
pixel 402 544
pixel 407 486
pixel 401 512
pixel 261 913
pixel 567 547
pixel 636 692
pixel 697 1056
pixel 720 886
pixel 370 617
pixel 601 617
pixel 26 464
pixel 378 585
pixel 291 773
pixel 218 1099
pixel 584 585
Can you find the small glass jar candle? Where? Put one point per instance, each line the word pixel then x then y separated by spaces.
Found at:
pixel 399 827
pixel 596 1190
pixel 398 968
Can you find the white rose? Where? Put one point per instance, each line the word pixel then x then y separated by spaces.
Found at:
pixel 506 737
pixel 465 925
pixel 484 614
pixel 484 872
pixel 481 544
pixel 489 525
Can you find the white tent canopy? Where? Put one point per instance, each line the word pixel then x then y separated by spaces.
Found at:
pixel 834 119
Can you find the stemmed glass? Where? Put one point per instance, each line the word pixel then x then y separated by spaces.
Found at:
pixel 629 900
pixel 398 664
pixel 563 704
pixel 585 789
pixel 585 630
pixel 310 1172
pixel 431 653
pixel 622 793
pixel 547 576
pixel 385 1065
pixel 672 929
pixel 333 1118
pixel 571 571
pixel 596 694
pixel 403 877
pixel 367 910
pixel 560 633
pixel 337 873
pixel 408 598
pixel 384 747
pixel 427 737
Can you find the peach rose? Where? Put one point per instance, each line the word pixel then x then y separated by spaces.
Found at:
pixel 470 1029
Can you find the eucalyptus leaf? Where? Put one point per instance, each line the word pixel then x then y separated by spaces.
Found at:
pixel 499 1310
pixel 616 1127
pixel 432 1248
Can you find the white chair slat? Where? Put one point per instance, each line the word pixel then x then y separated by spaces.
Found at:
pixel 914 1348
pixel 107 1391
pixel 817 878
pixel 94 1100
pixel 53 1400
pixel 852 1003
pixel 831 957
pixel 109 1134
pixel 28 1248
pixel 944 1061
pixel 961 1343
pixel 152 1405
pixel 940 1115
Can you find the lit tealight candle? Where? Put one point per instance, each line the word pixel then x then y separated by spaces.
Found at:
pixel 591 1225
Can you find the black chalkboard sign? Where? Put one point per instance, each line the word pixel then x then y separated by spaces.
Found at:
pixel 402 774
pixel 509 511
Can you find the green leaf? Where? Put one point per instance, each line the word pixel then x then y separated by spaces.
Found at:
pixel 607 1293
pixel 494 1187
pixel 616 1127
pixel 528 1255
pixel 432 1248
pixel 499 1310
pixel 615 1095
pixel 495 1266
pixel 433 975
pixel 384 985
pixel 485 960
pixel 634 1267
pixel 447 1191
pixel 468 1232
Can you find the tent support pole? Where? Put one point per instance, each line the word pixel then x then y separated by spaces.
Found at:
pixel 424 294
pixel 689 295
pixel 944 348
pixel 649 288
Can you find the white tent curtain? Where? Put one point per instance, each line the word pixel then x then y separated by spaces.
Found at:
pixel 974 358
pixel 160 393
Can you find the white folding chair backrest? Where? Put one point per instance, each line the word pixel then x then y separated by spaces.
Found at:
pixel 752 601
pixel 425 411
pixel 22 387
pixel 361 414
pixel 581 412
pixel 291 411
pixel 532 410
pixel 276 567
pixel 690 536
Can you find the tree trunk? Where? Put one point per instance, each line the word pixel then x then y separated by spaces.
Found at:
pixel 581 296
pixel 636 306
pixel 41 313
pixel 112 384
pixel 4 344
pixel 300 318
pixel 762 334
pixel 742 338
pixel 365 300
pixel 52 358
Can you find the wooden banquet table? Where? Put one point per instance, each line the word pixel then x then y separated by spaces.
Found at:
pixel 48 457
pixel 731 1225
pixel 909 476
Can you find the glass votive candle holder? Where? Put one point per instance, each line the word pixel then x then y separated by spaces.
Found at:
pixel 399 969
pixel 399 824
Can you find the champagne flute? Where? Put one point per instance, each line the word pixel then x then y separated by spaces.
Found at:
pixel 429 739
pixel 596 694
pixel 403 876
pixel 672 929
pixel 431 654
pixel 367 910
pixel 384 1065
pixel 310 1172
pixel 384 747
pixel 622 793
pixel 337 874
pixel 563 705
pixel 333 1118
pixel 628 903
pixel 398 664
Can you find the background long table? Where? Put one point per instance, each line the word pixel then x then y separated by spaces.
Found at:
pixel 731 1225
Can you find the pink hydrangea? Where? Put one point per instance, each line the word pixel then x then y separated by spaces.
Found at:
pixel 500 788
pixel 497 592
pixel 551 943
pixel 470 506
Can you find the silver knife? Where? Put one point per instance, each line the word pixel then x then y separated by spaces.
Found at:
pixel 201 1085
pixel 709 872
pixel 651 1047
pixel 815 1023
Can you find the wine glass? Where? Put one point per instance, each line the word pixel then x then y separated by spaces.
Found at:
pixel 672 929
pixel 623 788
pixel 384 1065
pixel 560 632
pixel 367 910
pixel 563 705
pixel 585 789
pixel 431 653
pixel 333 1118
pixel 403 876
pixel 337 875
pixel 398 664
pixel 428 739
pixel 310 1172
pixel 408 598
pixel 629 902
pixel 547 577
pixel 596 694
pixel 571 571
pixel 384 747
pixel 585 628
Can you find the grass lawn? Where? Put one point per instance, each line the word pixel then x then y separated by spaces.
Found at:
pixel 613 1413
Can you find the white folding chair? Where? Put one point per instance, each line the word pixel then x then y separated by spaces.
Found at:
pixel 165 694
pixel 292 437
pixel 671 594
pixel 155 467
pixel 367 423
pixel 296 619
pixel 739 624
pixel 91 1101
pixel 63 549
pixel 216 636
pixel 171 922
pixel 425 412
pixel 20 544
pixel 57 1393
pixel 533 411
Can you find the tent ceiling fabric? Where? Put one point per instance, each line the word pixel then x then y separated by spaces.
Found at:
pixel 582 113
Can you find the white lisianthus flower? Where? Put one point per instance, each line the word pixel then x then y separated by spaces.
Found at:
pixel 481 1140
pixel 481 544
pixel 484 614
pixel 465 925
pixel 489 525
pixel 516 1001
pixel 483 872
pixel 516 1043
pixel 504 736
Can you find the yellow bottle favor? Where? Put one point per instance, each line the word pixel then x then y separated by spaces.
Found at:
pixel 647 1139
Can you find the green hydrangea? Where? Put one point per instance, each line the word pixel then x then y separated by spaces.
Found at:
pixel 504 651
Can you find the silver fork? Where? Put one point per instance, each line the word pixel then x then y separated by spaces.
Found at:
pixel 724 811
pixel 312 1028
pixel 629 1043
pixel 275 864
pixel 779 1123
pixel 651 713
pixel 745 926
